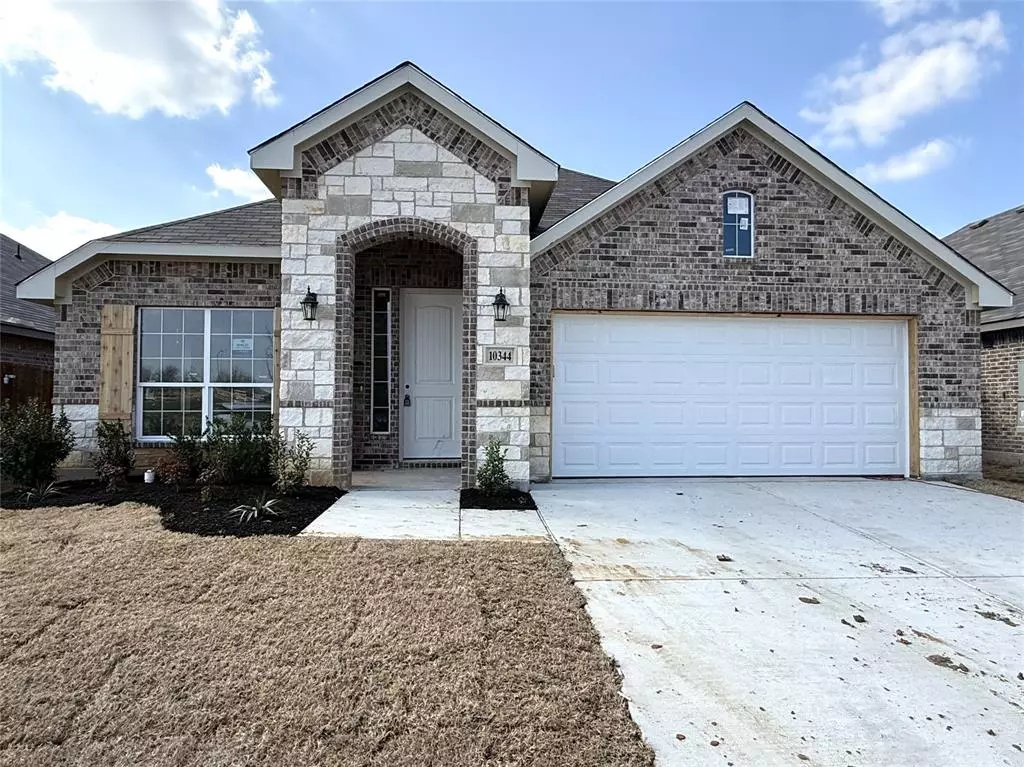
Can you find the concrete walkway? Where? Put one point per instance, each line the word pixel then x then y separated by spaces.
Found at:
pixel 420 504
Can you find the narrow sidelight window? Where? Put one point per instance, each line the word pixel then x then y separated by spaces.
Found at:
pixel 738 224
pixel 380 404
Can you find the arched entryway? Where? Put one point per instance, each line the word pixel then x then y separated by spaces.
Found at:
pixel 405 286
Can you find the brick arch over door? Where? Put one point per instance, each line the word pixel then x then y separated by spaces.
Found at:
pixel 348 246
pixel 404 111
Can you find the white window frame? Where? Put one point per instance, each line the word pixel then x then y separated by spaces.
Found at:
pixel 206 386
pixel 753 213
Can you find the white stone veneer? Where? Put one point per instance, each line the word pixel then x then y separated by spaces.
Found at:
pixel 405 174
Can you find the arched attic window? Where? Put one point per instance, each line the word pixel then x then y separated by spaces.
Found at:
pixel 738 224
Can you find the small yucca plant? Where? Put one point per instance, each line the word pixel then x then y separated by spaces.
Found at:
pixel 263 506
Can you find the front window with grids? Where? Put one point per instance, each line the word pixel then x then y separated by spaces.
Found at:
pixel 199 365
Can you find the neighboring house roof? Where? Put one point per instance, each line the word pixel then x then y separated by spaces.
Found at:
pixel 996 244
pixel 983 290
pixel 17 316
pixel 258 223
pixel 280 155
pixel 572 191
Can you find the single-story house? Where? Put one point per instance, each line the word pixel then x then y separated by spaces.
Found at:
pixel 996 244
pixel 425 280
pixel 26 329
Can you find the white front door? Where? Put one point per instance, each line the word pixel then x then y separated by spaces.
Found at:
pixel 677 395
pixel 431 359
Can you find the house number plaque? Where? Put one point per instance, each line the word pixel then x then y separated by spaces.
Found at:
pixel 498 355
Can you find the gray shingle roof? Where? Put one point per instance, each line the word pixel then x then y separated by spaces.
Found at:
pixel 16 263
pixel 572 191
pixel 258 223
pixel 996 246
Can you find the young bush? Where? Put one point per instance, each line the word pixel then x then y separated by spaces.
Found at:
pixel 33 442
pixel 236 453
pixel 172 471
pixel 491 477
pixel 185 463
pixel 291 462
pixel 115 456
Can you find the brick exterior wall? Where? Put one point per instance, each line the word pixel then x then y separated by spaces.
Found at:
pixel 662 250
pixel 405 171
pixel 1002 438
pixel 141 283
pixel 27 367
pixel 30 352
pixel 396 265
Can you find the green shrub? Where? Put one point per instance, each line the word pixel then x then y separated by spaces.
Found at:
pixel 491 477
pixel 115 456
pixel 186 457
pixel 291 462
pixel 236 452
pixel 33 442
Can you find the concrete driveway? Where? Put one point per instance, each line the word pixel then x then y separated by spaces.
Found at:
pixel 854 622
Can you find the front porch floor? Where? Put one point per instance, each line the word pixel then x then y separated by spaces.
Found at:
pixel 419 504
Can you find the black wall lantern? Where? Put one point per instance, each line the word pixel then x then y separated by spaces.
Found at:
pixel 308 304
pixel 500 306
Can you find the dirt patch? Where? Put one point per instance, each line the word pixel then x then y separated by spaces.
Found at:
pixel 946 662
pixel 186 511
pixel 926 635
pixel 1006 481
pixel 997 617
pixel 125 644
pixel 513 500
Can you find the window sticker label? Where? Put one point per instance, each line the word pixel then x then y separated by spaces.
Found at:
pixel 744 223
pixel 738 206
pixel 241 344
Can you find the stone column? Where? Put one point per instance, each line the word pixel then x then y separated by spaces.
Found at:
pixel 503 390
pixel 307 348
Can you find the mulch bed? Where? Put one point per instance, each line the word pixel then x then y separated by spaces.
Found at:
pixel 185 511
pixel 513 500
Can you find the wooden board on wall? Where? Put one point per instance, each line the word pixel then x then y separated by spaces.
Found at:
pixel 117 347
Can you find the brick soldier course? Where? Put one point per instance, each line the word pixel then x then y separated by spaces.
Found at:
pixel 402 185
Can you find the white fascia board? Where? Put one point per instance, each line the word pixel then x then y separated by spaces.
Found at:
pixel 983 290
pixel 43 285
pixel 281 154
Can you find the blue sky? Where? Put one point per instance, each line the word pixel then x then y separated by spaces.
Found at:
pixel 122 115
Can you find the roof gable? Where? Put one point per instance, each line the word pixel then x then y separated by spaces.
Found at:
pixel 280 156
pixel 983 290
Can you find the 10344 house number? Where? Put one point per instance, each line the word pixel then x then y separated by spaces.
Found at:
pixel 494 355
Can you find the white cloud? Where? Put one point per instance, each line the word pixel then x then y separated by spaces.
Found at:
pixel 919 70
pixel 57 235
pixel 237 181
pixel 130 58
pixel 919 161
pixel 895 11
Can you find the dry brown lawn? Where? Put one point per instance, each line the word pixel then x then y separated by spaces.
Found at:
pixel 124 644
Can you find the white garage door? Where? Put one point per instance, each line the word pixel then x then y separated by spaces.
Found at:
pixel 671 395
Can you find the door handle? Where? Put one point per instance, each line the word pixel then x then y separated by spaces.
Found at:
pixel 407 400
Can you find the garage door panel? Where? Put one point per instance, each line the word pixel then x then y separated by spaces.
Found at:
pixel 671 395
